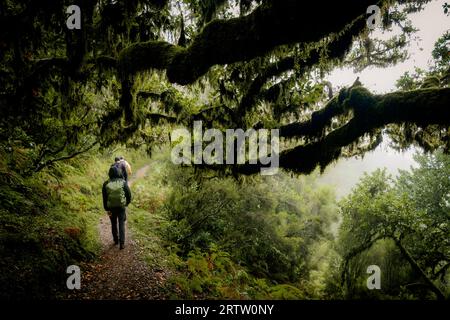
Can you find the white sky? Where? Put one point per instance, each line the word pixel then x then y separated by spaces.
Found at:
pixel 345 173
pixel 432 24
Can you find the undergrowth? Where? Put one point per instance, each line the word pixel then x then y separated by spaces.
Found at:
pixel 49 221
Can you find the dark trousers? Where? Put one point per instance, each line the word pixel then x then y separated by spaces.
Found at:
pixel 118 216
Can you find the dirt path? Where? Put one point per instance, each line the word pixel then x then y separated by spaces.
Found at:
pixel 139 174
pixel 119 274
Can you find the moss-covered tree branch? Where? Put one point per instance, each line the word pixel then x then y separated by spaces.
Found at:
pixel 422 107
pixel 240 39
pixel 336 49
pixel 405 253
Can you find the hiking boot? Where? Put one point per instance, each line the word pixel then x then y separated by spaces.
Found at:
pixel 122 246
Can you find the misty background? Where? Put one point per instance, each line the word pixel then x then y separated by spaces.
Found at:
pixel 431 24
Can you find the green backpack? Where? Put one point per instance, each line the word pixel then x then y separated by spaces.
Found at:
pixel 116 194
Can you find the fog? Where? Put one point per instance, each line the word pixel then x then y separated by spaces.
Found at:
pixel 345 173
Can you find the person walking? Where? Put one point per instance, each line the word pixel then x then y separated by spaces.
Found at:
pixel 126 165
pixel 116 197
pixel 118 163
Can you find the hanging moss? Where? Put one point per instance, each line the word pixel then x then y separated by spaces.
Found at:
pixel 318 122
pixel 240 39
pixel 422 107
pixel 147 55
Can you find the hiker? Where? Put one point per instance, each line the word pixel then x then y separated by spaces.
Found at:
pixel 121 166
pixel 126 164
pixel 116 197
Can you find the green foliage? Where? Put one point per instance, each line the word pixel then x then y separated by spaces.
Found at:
pixel 369 51
pixel 268 227
pixel 48 222
pixel 62 95
pixel 264 238
pixel 402 222
pixel 410 81
pixel 438 76
pixel 144 214
pixel 214 275
pixel 441 51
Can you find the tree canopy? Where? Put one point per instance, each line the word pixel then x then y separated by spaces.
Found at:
pixel 137 68
pixel 412 212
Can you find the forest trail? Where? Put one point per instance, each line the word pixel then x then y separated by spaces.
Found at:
pixel 139 174
pixel 119 274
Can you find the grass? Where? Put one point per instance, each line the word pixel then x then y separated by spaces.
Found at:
pixel 146 219
pixel 49 221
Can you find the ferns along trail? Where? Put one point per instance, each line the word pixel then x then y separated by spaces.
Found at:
pixel 279 150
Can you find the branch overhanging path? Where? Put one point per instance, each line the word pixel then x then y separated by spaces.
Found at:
pixel 371 112
pixel 119 274
pixel 223 42
pixel 240 39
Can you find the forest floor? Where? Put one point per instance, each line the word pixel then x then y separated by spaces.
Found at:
pixel 120 274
